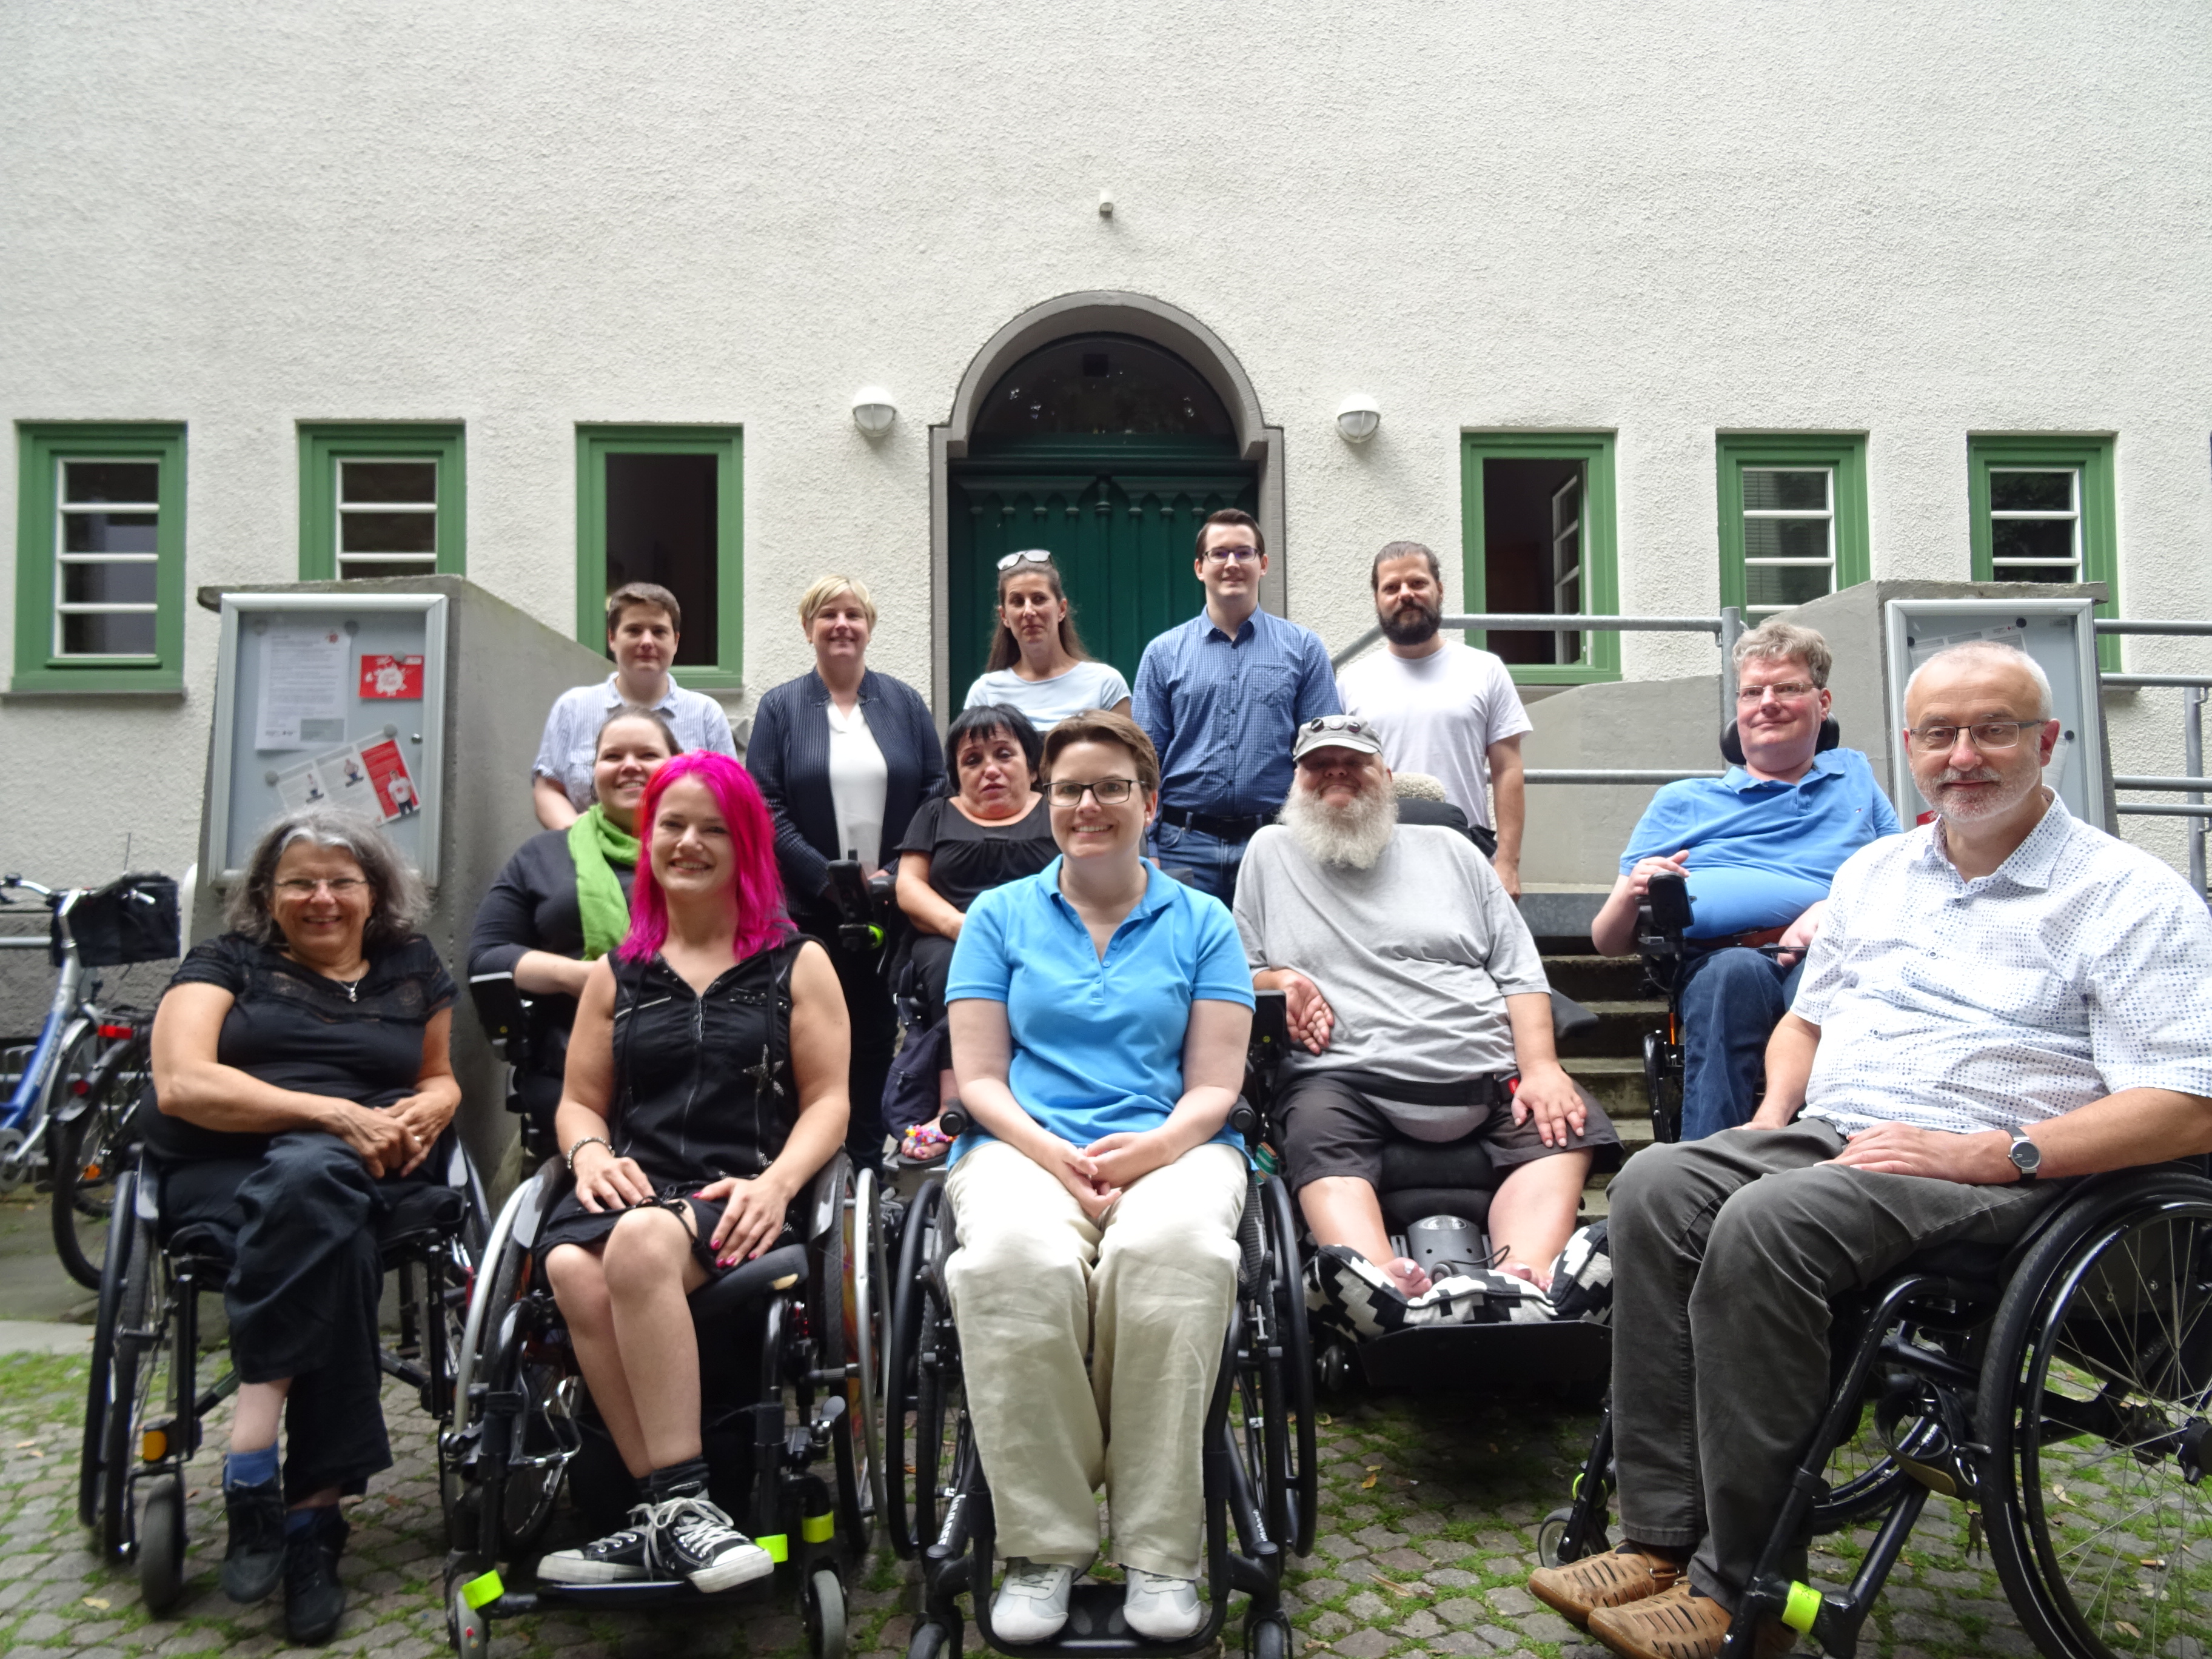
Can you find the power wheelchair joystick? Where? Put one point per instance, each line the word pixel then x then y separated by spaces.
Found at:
pixel 863 904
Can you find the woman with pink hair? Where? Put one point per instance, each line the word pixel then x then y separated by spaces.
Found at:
pixel 706 1087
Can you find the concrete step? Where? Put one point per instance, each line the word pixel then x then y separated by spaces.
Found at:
pixel 1595 979
pixel 1616 1082
pixel 1620 1031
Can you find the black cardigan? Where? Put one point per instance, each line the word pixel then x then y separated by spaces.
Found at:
pixel 532 907
pixel 788 755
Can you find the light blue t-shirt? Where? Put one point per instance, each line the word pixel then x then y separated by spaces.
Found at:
pixel 1085 686
pixel 1097 1045
pixel 1762 852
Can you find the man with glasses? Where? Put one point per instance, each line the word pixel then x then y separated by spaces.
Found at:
pixel 2000 997
pixel 1759 849
pixel 1220 695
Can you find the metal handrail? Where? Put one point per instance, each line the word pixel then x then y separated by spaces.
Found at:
pixel 1567 622
pixel 1605 775
pixel 2123 625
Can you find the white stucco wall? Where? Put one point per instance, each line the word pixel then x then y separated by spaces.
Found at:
pixel 1665 219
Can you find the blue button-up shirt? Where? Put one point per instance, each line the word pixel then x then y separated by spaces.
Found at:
pixel 1762 852
pixel 1098 1042
pixel 1222 711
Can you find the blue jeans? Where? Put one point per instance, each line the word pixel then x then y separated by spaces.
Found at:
pixel 1731 1001
pixel 1211 864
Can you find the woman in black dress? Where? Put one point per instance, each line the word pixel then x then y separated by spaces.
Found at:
pixel 563 901
pixel 300 1081
pixel 992 829
pixel 706 1087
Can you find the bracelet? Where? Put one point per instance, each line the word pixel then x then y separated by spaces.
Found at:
pixel 583 1141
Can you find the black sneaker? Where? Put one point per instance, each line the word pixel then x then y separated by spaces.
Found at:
pixel 692 1538
pixel 619 1558
pixel 254 1563
pixel 314 1601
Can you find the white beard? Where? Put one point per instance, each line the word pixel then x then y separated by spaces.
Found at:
pixel 1354 835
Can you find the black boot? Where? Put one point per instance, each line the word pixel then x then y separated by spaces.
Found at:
pixel 255 1561
pixel 314 1601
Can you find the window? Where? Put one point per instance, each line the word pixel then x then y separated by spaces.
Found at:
pixel 100 557
pixel 1537 538
pixel 663 504
pixel 2042 511
pixel 380 498
pixel 1793 519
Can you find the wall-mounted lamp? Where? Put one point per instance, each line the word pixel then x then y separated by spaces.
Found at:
pixel 873 411
pixel 1357 417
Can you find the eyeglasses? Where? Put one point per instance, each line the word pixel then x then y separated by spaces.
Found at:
pixel 1233 555
pixel 339 885
pixel 1027 556
pixel 1107 791
pixel 1983 734
pixel 1783 693
pixel 1352 723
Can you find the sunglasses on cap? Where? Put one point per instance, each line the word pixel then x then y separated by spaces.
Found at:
pixel 1027 556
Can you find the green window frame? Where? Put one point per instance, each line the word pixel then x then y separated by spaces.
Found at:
pixel 45 448
pixel 1600 566
pixel 2089 457
pixel 326 446
pixel 1842 456
pixel 594 444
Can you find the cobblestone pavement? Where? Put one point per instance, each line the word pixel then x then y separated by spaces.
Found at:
pixel 1428 1518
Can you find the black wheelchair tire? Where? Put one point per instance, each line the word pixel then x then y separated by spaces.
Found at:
pixel 468 1631
pixel 103 1126
pixel 822 1607
pixel 828 1285
pixel 1268 1637
pixel 161 1545
pixel 902 1351
pixel 126 1367
pixel 1301 1463
pixel 122 1227
pixel 933 1641
pixel 2024 1343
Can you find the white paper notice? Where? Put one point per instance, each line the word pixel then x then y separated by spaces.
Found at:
pixel 303 688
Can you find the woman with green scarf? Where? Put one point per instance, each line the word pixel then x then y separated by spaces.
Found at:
pixel 563 901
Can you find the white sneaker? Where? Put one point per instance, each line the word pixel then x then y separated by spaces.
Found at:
pixel 1031 1605
pixel 1165 1609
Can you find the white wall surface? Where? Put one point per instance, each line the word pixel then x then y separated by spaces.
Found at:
pixel 1666 220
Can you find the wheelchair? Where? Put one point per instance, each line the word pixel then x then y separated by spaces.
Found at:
pixel 1436 1206
pixel 2060 1388
pixel 788 1356
pixel 1260 1456
pixel 1661 923
pixel 144 1407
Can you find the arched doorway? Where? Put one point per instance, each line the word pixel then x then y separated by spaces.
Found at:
pixel 1104 428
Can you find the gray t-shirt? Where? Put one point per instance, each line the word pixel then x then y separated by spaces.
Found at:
pixel 1416 956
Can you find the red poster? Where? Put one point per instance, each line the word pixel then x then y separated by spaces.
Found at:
pixel 397 679
pixel 388 772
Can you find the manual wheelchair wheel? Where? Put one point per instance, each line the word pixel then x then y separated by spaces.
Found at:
pixel 2094 1407
pixel 822 1607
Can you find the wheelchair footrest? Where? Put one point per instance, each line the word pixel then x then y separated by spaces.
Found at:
pixel 1475 1356
pixel 1095 1625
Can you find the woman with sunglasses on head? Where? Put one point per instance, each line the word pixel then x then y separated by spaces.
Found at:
pixel 843 756
pixel 302 1081
pixel 1037 662
pixel 1100 1013
pixel 563 900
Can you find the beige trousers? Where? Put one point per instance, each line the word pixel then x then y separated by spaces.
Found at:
pixel 1036 1285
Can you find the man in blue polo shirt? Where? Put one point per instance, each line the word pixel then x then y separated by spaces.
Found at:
pixel 1221 697
pixel 1758 848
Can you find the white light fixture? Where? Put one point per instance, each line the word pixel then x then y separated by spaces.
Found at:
pixel 1357 417
pixel 873 411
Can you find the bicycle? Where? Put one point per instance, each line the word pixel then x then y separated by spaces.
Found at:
pixel 71 1110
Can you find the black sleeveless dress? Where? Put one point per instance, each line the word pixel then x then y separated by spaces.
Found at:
pixel 703 1085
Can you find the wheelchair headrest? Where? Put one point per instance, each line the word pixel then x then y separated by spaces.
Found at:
pixel 1831 736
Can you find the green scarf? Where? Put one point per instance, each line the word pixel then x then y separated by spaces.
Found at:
pixel 596 846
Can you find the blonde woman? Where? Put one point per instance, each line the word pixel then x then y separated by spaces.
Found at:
pixel 841 754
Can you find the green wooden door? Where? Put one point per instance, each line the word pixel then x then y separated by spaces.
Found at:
pixel 1120 516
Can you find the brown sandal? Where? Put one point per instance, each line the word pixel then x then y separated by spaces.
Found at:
pixel 1578 1588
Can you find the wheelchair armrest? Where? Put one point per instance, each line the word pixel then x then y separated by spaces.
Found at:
pixel 779 1269
pixel 822 1205
pixel 1569 1017
pixel 504 1013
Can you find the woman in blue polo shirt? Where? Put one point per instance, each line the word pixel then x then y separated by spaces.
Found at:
pixel 1100 1013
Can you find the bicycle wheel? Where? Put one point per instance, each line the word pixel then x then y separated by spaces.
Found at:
pixel 86 1148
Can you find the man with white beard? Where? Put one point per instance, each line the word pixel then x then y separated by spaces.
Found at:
pixel 1416 995
pixel 2000 997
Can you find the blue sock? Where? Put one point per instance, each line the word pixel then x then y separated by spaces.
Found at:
pixel 298 1520
pixel 249 1469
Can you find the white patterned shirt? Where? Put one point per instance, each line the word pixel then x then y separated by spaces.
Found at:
pixel 2080 967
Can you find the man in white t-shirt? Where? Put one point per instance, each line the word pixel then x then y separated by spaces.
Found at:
pixel 1442 707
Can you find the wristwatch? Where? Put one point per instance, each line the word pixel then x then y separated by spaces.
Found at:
pixel 2027 1156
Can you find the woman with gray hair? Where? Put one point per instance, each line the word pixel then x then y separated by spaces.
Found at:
pixel 302 1081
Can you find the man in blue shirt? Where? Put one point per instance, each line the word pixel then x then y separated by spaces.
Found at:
pixel 1221 697
pixel 1758 848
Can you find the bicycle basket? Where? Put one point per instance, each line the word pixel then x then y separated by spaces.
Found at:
pixel 132 919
